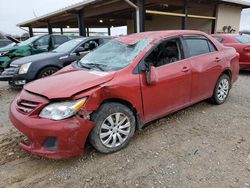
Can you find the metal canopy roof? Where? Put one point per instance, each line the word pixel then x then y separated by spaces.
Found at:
pixel 113 12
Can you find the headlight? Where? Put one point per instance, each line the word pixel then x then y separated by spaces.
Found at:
pixel 3 53
pixel 24 68
pixel 62 110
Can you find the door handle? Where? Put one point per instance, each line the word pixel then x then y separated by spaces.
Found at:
pixel 217 59
pixel 185 69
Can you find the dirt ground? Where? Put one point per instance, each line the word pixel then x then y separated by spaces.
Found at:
pixel 201 146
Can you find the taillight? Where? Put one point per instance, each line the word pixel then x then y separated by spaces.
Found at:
pixel 247 49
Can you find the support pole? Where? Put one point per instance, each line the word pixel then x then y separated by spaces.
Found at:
pixel 81 24
pixel 184 24
pixel 87 31
pixel 50 31
pixel 109 31
pixel 31 32
pixel 61 31
pixel 214 21
pixel 141 16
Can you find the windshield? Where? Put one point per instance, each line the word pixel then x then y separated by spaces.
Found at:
pixel 68 46
pixel 114 55
pixel 244 39
pixel 28 41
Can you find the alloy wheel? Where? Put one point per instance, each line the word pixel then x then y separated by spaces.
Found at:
pixel 223 89
pixel 115 130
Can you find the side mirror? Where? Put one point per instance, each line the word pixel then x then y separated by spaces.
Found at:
pixel 151 75
pixel 79 50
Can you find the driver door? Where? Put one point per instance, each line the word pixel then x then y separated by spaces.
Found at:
pixel 172 89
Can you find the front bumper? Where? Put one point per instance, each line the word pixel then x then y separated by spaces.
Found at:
pixel 68 136
pixel 11 75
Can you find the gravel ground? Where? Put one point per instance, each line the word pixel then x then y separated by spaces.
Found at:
pixel 201 146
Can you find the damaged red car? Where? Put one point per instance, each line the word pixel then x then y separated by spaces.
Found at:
pixel 118 88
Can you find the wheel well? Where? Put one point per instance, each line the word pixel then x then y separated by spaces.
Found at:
pixel 130 106
pixel 228 73
pixel 54 66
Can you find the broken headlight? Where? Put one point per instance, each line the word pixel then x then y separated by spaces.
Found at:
pixel 62 110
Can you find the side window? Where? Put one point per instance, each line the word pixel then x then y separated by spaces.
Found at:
pixel 43 42
pixel 90 45
pixel 219 39
pixel 211 47
pixel 199 45
pixel 165 53
pixel 60 40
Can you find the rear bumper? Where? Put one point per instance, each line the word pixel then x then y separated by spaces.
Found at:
pixel 69 136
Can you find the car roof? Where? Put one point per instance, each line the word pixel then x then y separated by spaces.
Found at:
pixel 134 38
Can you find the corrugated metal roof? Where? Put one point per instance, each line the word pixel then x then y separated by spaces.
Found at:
pixel 71 7
pixel 239 2
pixel 87 2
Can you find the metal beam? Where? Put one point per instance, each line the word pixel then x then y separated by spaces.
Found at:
pixel 81 24
pixel 179 15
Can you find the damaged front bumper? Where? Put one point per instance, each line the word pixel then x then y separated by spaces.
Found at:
pixel 51 139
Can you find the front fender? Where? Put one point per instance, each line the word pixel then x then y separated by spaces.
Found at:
pixel 5 61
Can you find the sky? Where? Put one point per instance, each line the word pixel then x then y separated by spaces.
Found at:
pixel 13 12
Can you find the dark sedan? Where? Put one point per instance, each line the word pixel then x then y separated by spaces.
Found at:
pixel 38 66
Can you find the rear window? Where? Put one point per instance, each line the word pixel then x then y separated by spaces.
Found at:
pixel 61 39
pixel 199 45
pixel 244 39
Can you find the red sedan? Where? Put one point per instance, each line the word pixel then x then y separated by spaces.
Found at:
pixel 118 88
pixel 241 43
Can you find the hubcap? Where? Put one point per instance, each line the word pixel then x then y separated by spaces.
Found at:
pixel 48 73
pixel 115 130
pixel 223 89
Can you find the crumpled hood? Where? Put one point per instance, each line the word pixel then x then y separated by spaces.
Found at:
pixel 66 84
pixel 37 58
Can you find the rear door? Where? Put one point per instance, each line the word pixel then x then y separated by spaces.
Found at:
pixel 205 66
pixel 172 90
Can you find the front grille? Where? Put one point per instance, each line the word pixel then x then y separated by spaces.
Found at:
pixel 10 71
pixel 26 107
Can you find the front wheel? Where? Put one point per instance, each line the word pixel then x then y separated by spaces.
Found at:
pixel 47 72
pixel 115 126
pixel 221 90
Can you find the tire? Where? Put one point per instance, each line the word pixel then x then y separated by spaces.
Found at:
pixel 108 138
pixel 221 90
pixel 47 72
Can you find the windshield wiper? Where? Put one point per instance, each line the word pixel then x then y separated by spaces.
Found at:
pixel 93 65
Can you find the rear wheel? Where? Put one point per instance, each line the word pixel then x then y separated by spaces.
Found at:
pixel 47 72
pixel 115 126
pixel 221 90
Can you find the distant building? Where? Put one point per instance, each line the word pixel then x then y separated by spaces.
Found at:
pixel 210 16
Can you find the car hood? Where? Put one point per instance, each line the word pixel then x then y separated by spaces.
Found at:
pixel 37 58
pixel 65 84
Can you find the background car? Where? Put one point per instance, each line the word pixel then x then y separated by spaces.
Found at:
pixel 33 67
pixel 241 43
pixel 5 42
pixel 33 45
pixel 118 88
